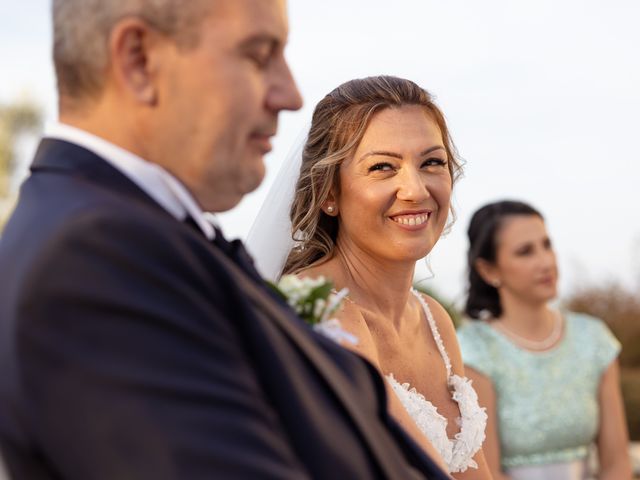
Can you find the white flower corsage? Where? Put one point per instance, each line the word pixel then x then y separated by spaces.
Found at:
pixel 315 300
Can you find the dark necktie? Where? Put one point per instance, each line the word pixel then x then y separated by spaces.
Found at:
pixel 234 250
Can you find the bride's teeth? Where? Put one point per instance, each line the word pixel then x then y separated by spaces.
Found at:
pixel 411 220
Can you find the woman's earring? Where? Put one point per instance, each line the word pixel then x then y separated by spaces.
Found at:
pixel 330 209
pixel 496 283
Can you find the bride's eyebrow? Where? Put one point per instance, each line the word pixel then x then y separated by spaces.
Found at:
pixel 380 153
pixel 431 149
pixel 385 153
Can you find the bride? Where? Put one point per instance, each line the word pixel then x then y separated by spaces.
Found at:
pixel 372 198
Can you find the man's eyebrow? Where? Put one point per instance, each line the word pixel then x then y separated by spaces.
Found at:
pixel 261 39
pixel 384 153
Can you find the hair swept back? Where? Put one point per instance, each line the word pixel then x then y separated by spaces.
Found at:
pixel 482 298
pixel 81 30
pixel 338 124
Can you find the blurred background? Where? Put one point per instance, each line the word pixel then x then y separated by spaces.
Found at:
pixel 542 99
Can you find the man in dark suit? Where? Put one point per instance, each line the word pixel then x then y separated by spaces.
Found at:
pixel 135 341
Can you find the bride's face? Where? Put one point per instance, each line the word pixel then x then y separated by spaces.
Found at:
pixel 395 191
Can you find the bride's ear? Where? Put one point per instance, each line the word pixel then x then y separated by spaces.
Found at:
pixel 330 205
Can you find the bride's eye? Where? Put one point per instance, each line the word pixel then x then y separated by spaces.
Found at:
pixel 433 162
pixel 381 167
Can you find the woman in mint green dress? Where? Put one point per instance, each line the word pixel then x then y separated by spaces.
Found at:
pixel 549 379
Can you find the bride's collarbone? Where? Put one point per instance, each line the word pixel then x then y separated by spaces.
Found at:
pixel 414 341
pixel 407 328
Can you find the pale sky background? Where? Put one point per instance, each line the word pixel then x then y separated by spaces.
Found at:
pixel 542 99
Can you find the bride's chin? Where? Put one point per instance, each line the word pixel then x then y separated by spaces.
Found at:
pixel 410 256
pixel 415 253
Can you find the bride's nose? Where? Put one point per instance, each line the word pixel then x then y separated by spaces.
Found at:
pixel 412 186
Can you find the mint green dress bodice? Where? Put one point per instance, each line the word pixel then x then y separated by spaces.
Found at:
pixel 547 402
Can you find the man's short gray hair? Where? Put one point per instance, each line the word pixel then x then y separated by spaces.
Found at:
pixel 81 31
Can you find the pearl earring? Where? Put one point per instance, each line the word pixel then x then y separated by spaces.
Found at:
pixel 330 209
pixel 496 283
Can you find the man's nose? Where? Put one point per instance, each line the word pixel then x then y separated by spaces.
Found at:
pixel 284 94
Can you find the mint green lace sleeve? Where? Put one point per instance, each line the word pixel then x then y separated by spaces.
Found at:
pixel 475 347
pixel 605 346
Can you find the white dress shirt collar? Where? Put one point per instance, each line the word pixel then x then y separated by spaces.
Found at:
pixel 154 180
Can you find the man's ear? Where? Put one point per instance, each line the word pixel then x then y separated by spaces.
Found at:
pixel 131 55
pixel 487 271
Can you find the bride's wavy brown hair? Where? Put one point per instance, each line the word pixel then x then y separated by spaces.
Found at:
pixel 337 127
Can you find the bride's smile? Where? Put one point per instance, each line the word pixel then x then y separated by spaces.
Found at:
pixel 412 220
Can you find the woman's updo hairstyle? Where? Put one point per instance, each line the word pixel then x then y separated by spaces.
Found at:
pixel 483 299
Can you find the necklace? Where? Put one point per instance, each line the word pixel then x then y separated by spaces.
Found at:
pixel 544 344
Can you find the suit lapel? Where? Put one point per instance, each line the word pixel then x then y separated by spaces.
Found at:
pixel 324 366
pixel 71 159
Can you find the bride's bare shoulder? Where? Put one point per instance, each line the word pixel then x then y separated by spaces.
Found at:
pixel 311 272
pixel 318 269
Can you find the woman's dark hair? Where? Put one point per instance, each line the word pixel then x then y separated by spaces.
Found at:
pixel 482 298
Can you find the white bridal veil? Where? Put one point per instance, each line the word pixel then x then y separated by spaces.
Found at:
pixel 269 240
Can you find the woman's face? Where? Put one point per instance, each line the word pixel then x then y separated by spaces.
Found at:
pixel 525 261
pixel 395 191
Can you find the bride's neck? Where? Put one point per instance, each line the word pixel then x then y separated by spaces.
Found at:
pixel 374 283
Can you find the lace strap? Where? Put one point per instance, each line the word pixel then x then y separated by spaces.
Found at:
pixel 434 332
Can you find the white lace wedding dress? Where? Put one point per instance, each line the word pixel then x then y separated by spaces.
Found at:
pixel 457 452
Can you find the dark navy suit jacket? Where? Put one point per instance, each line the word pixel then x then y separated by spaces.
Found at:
pixel 133 348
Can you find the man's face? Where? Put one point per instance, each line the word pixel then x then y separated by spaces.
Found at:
pixel 218 103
